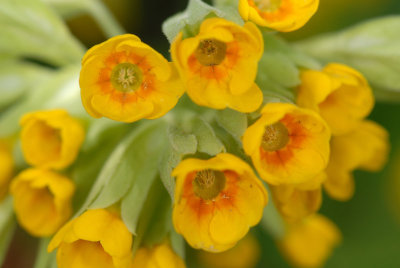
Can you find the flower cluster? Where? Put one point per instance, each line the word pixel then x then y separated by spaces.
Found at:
pixel 122 196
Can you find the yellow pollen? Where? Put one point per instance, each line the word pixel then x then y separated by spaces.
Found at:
pixel 210 52
pixel 268 5
pixel 126 77
pixel 208 183
pixel 275 137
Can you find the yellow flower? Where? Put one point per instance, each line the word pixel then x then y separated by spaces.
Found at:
pixel 295 202
pixel 219 65
pixel 309 244
pixel 288 144
pixel 158 256
pixel 366 147
pixel 50 139
pixel 6 168
pixel 96 239
pixel 42 200
pixel 126 80
pixel 339 93
pixel 216 201
pixel 244 255
pixel 281 15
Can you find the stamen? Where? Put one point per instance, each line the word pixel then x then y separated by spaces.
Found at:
pixel 126 77
pixel 208 183
pixel 275 137
pixel 210 52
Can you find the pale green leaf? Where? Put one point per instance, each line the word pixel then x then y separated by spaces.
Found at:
pixel 371 47
pixel 129 161
pixel 17 78
pixel 171 159
pixel 29 28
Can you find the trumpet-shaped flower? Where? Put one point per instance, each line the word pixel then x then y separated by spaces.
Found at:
pixel 339 93
pixel 216 201
pixel 158 256
pixel 366 147
pixel 281 15
pixel 126 80
pixel 288 144
pixel 6 168
pixel 96 239
pixel 51 139
pixel 219 65
pixel 308 244
pixel 42 200
pixel 295 202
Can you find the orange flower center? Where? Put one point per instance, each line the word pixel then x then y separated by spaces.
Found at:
pixel 275 137
pixel 208 183
pixel 210 52
pixel 268 5
pixel 126 77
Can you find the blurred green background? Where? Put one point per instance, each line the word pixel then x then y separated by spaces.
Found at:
pixel 370 222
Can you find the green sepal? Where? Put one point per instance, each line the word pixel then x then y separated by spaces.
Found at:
pixel 171 159
pixel 207 141
pixel 189 20
pixel 371 47
pixel 278 70
pixel 7 226
pixel 178 243
pixel 31 29
pixel 43 258
pixel 181 141
pixel 233 122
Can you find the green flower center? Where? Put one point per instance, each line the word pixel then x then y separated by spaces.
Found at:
pixel 126 77
pixel 210 52
pixel 208 183
pixel 275 137
pixel 268 5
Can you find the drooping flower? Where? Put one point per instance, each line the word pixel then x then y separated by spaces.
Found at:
pixel 366 148
pixel 288 144
pixel 158 256
pixel 308 244
pixel 296 202
pixel 219 64
pixel 96 239
pixel 126 80
pixel 42 200
pixel 245 254
pixel 281 15
pixel 51 139
pixel 216 201
pixel 339 93
pixel 6 167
